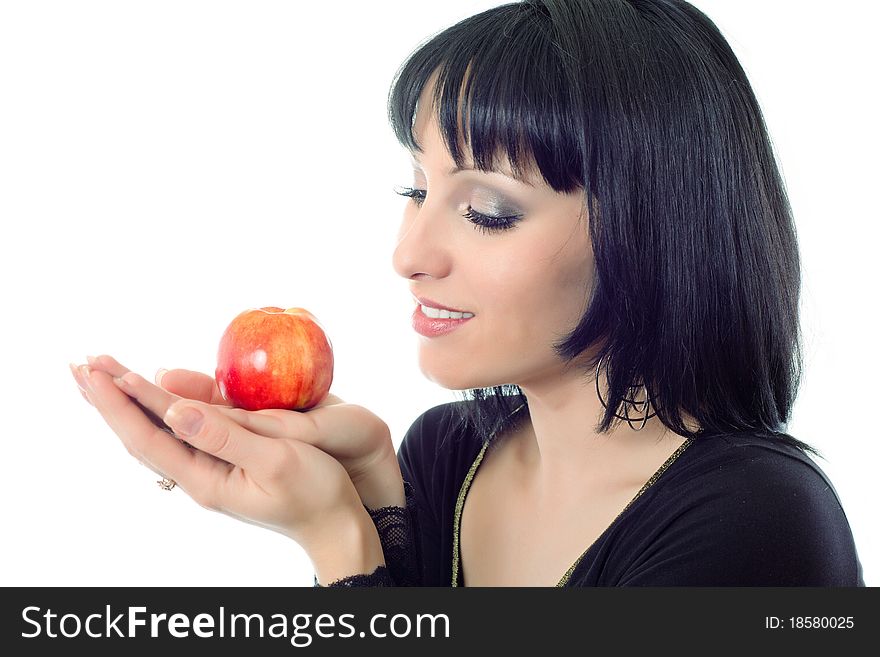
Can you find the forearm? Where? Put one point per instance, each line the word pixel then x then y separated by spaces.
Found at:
pixel 349 547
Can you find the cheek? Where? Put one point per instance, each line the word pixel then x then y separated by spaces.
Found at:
pixel 573 277
pixel 574 284
pixel 551 297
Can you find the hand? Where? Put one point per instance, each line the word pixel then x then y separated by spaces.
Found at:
pixel 354 436
pixel 284 484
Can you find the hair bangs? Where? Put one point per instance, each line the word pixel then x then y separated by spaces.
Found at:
pixel 493 97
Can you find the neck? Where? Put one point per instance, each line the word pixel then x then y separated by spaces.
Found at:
pixel 557 447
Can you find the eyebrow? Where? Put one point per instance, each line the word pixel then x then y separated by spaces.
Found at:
pixel 457 169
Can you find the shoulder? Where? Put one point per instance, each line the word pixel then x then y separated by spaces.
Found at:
pixel 438 439
pixel 746 510
pixel 434 456
pixel 433 430
pixel 746 463
pixel 754 478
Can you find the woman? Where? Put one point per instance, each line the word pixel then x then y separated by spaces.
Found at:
pixel 597 208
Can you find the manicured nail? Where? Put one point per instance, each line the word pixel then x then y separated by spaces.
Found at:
pixel 79 381
pixel 121 383
pixel 91 360
pixel 86 372
pixel 159 374
pixel 185 421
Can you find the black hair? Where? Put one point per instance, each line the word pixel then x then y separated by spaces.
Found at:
pixel 643 106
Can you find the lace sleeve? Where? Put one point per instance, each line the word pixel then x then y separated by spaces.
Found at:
pixel 397 528
pixel 379 577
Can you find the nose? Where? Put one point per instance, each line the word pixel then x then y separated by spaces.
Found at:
pixel 423 247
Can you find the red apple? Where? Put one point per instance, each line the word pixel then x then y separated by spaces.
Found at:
pixel 274 358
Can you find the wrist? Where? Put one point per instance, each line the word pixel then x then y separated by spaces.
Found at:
pixel 348 546
pixel 383 486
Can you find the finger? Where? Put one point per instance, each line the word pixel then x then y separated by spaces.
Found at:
pixel 191 385
pixel 152 399
pixel 108 364
pixel 343 430
pixel 349 431
pixel 274 423
pixel 80 383
pixel 127 421
pixel 195 472
pixel 330 400
pixel 206 428
pixel 114 368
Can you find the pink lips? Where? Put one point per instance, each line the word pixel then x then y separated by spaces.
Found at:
pixel 436 304
pixel 431 327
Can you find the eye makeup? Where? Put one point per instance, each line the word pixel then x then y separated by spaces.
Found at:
pixel 485 223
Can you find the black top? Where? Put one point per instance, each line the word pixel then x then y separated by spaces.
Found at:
pixel 738 509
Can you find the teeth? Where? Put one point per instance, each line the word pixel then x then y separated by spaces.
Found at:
pixel 436 313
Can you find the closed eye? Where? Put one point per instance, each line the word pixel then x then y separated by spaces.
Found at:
pixel 483 222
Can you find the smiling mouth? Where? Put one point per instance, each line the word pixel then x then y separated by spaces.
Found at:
pixel 437 313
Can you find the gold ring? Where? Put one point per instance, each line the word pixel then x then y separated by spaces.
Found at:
pixel 166 483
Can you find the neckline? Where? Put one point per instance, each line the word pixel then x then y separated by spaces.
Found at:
pixel 465 487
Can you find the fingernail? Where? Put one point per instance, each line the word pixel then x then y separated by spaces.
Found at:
pixel 83 389
pixel 159 374
pixel 91 360
pixel 185 421
pixel 121 383
pixel 86 372
pixel 75 372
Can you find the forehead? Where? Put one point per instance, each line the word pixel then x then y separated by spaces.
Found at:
pixel 427 131
pixel 426 122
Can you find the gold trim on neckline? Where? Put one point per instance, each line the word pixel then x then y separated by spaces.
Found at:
pixel 462 494
pixel 459 505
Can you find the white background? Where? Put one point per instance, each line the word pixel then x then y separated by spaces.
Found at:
pixel 164 165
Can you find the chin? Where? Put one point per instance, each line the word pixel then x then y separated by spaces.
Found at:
pixel 449 382
pixel 455 379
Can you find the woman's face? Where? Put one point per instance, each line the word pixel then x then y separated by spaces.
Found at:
pixel 527 286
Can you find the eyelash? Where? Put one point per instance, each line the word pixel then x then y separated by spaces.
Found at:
pixel 482 222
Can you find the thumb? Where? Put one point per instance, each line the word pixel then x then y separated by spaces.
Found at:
pixel 190 385
pixel 207 429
